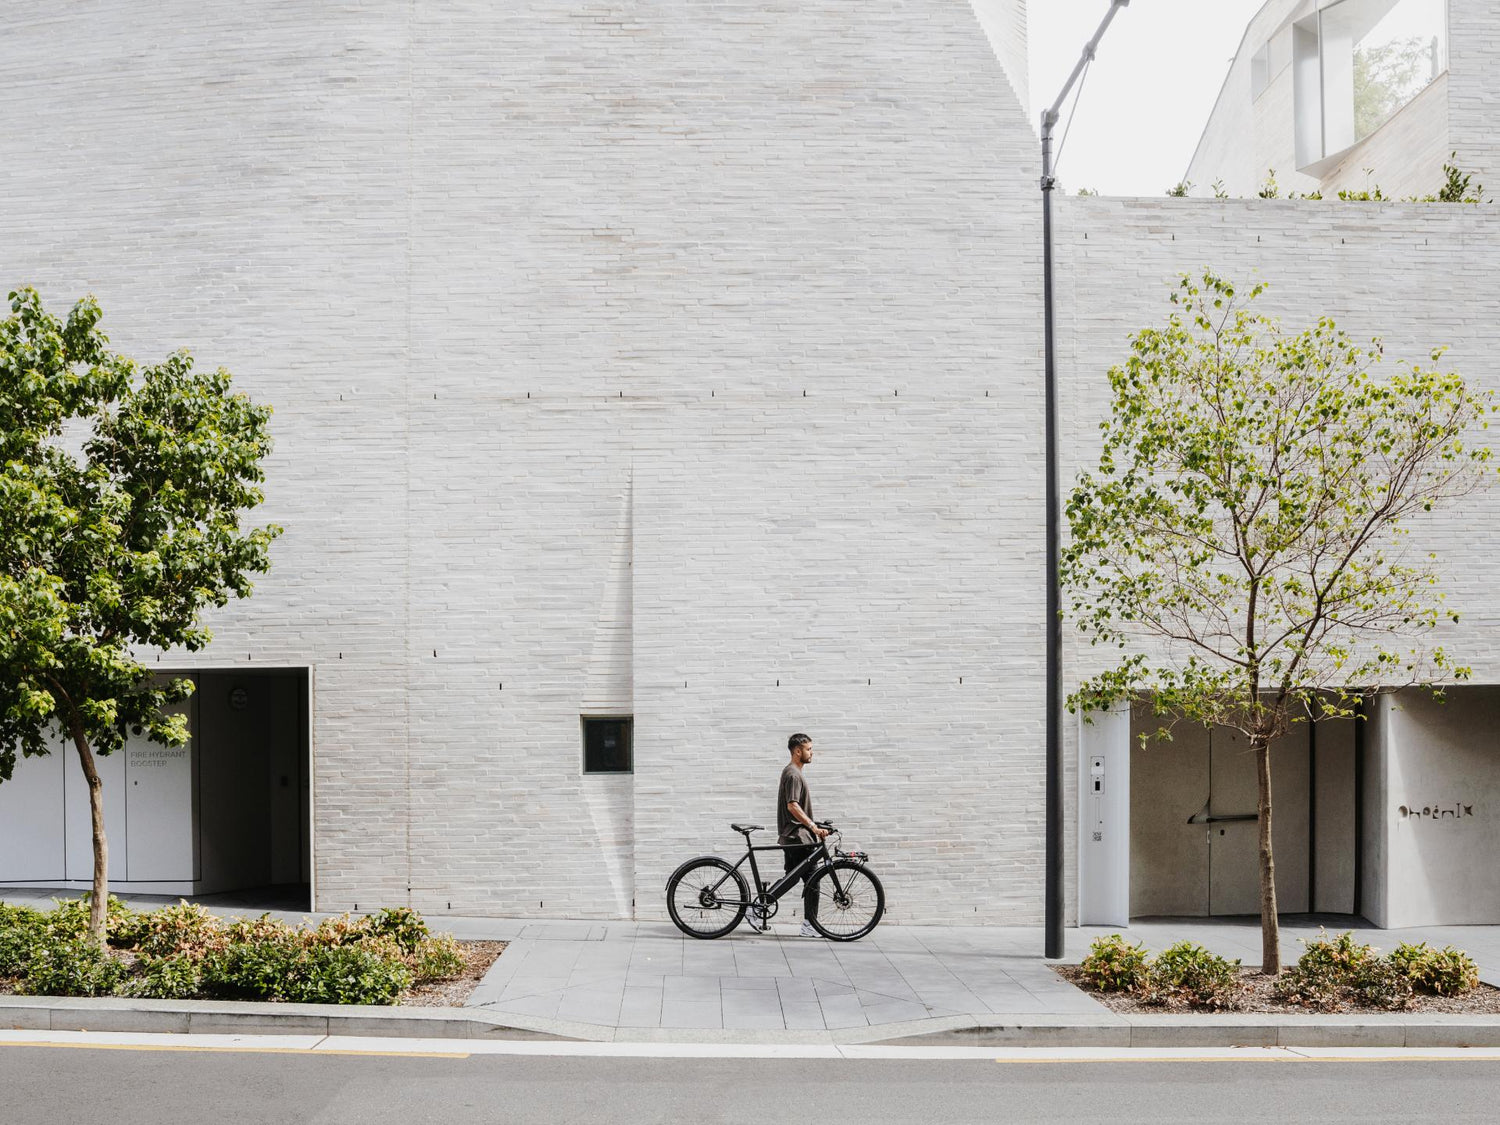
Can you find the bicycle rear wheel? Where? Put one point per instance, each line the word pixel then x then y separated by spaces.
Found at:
pixel 850 900
pixel 706 897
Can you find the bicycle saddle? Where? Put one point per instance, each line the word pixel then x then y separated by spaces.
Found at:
pixel 746 828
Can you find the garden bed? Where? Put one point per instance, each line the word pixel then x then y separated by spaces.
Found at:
pixel 1258 995
pixel 183 952
pixel 478 957
pixel 1333 975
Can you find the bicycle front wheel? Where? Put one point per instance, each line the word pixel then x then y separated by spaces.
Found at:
pixel 706 897
pixel 850 900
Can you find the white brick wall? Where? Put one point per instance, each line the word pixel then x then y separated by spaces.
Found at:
pixel 494 263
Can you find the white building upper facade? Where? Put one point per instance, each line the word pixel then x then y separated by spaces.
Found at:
pixel 1350 95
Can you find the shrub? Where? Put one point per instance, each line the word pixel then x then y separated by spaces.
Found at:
pixel 345 974
pixel 1311 989
pixel 184 951
pixel 1189 974
pixel 71 966
pixel 1114 964
pixel 345 929
pixel 70 918
pixel 177 977
pixel 1381 984
pixel 1341 957
pixel 1333 972
pixel 1442 972
pixel 184 928
pixel 264 928
pixel 21 929
pixel 402 924
pixel 436 958
pixel 1329 970
pixel 248 970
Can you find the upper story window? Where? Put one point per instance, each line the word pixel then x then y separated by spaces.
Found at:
pixel 1260 70
pixel 1267 63
pixel 1356 63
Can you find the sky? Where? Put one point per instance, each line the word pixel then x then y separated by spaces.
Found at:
pixel 1147 95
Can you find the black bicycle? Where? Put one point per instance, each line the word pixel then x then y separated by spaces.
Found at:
pixel 707 897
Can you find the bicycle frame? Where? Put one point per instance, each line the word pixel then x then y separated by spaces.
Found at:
pixel 778 889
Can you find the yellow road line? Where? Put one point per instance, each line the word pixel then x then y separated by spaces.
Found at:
pixel 238 1050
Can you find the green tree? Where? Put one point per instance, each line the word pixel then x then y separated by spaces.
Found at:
pixel 1244 541
pixel 121 496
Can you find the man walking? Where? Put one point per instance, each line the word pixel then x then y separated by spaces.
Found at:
pixel 795 826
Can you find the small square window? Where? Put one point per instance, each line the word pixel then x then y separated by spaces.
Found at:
pixel 606 746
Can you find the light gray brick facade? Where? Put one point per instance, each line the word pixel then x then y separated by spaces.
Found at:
pixel 715 323
pixel 678 357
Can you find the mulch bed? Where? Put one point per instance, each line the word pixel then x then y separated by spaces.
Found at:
pixel 479 955
pixel 1258 997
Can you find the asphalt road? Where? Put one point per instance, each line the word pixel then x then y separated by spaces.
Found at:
pixel 40 1085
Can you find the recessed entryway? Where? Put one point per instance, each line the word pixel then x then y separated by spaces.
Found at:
pixel 228 812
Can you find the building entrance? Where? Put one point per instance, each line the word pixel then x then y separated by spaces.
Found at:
pixel 227 812
pixel 1194 831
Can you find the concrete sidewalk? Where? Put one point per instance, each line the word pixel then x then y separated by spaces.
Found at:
pixel 647 981
pixel 647 975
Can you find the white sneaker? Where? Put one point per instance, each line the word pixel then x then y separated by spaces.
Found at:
pixel 807 930
pixel 754 922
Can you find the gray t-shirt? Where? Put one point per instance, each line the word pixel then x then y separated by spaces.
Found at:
pixel 793 787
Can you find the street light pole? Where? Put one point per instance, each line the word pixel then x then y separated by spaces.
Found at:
pixel 1054 877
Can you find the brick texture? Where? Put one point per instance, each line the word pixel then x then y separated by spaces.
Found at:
pixel 648 353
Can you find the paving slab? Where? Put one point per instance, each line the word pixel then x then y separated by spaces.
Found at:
pixel 640 1007
pixel 691 1014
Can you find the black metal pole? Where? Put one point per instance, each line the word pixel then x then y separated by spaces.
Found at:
pixel 1054 935
pixel 1054 869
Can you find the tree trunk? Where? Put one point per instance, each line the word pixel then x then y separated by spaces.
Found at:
pixel 1270 925
pixel 100 900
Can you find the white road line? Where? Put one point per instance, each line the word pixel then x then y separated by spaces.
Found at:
pixel 464 1048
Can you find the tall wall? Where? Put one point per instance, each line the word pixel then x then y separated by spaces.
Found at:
pixel 725 311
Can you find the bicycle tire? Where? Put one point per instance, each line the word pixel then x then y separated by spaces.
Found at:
pixel 710 902
pixel 859 900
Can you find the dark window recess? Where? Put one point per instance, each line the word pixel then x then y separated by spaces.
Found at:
pixel 606 746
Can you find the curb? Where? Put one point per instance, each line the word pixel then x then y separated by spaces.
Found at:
pixel 212 1017
pixel 1227 1030
pixel 209 1017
